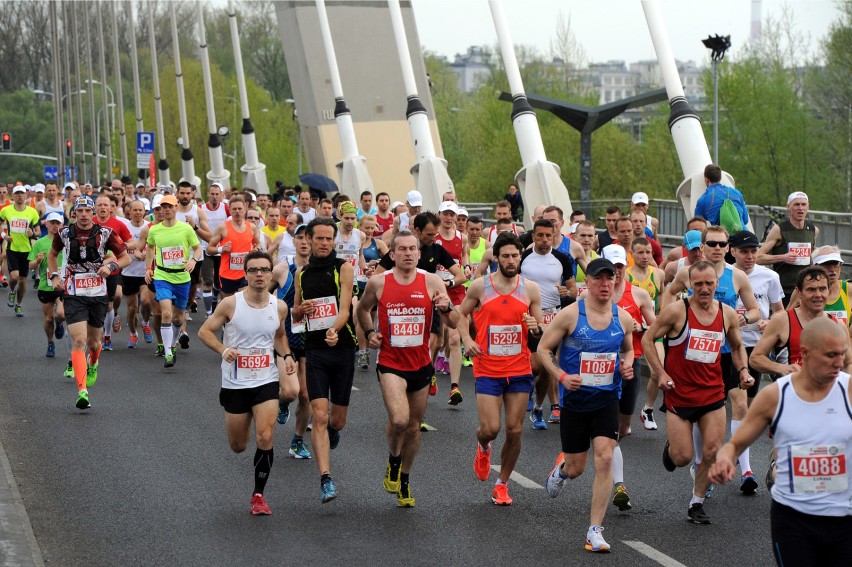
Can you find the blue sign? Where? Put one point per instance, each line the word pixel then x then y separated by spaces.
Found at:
pixel 144 142
pixel 51 173
pixel 70 173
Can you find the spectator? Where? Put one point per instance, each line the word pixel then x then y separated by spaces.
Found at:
pixel 710 203
pixel 515 202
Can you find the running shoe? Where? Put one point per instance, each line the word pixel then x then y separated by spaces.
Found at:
pixel 184 341
pixel 391 481
pixel 668 463
pixel 648 422
pixel 146 332
pixel 709 491
pixel 188 317
pixel 363 360
pixel 455 397
pixel 107 342
pixel 134 340
pixel 69 370
pixel 555 413
pixel 12 297
pixel 482 462
pixel 59 332
pixel 193 307
pixel 433 386
pixel 116 324
pixel 555 481
pixel 595 541
pixel 92 374
pixel 466 361
pixel 283 412
pixel 404 499
pixel 500 495
pixel 333 438
pixel 83 400
pixel 748 484
pixel 298 449
pixel 51 350
pixel 425 427
pixel 696 514
pixel 160 350
pixel 169 360
pixel 328 491
pixel 3 282
pixel 259 506
pixel 19 311
pixel 441 365
pixel 537 419
pixel 621 500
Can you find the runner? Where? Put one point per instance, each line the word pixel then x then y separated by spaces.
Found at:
pixel 22 221
pixel 133 279
pixel 254 331
pixel 837 303
pixel 105 206
pixel 593 337
pixel 406 298
pixel 233 240
pixel 217 213
pixel 283 246
pixel 84 246
pixel 810 418
pixel 372 251
pixel 506 307
pixel 195 216
pixel 324 301
pixel 50 299
pixel 384 217
pixel 50 204
pixel 693 383
pixel 585 236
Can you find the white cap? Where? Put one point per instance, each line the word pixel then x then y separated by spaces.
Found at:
pixel 19 189
pixel 216 184
pixel 573 228
pixel 140 185
pixel 395 204
pixel 615 253
pixel 68 186
pixel 797 195
pixel 462 213
pixel 39 187
pixel 156 202
pixel 145 202
pixel 54 216
pixel 830 257
pixel 448 206
pixel 639 198
pixel 414 198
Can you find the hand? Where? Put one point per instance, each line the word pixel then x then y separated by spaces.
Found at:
pixel 530 321
pixel 191 222
pixel 58 284
pixel 637 326
pixel 665 382
pixel 187 268
pixel 375 340
pixel 788 258
pixel 746 380
pixel 40 256
pixel 441 301
pixel 104 271
pixel 761 325
pixel 229 355
pixel 226 247
pixel 626 372
pixel 331 337
pixel 562 291
pixel 306 307
pixel 467 272
pixel 471 348
pixel 149 275
pixel 571 382
pixel 289 365
pixel 722 471
pixel 741 320
pixel 791 368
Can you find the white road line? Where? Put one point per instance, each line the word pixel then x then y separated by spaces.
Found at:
pixel 519 478
pixel 652 553
pixel 354 389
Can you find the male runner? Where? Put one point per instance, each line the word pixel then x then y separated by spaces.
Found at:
pixel 50 299
pixel 384 217
pixel 217 213
pixel 21 224
pixel 133 278
pixel 105 216
pixel 233 240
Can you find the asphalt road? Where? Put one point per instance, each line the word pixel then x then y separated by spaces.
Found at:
pixel 146 478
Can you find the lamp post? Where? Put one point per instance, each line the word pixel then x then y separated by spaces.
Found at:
pixel 717 45
pixel 111 99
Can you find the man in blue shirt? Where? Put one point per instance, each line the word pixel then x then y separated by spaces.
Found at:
pixel 710 203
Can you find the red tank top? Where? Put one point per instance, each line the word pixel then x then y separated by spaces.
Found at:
pixel 501 333
pixel 233 266
pixel 454 248
pixel 629 304
pixel 405 318
pixel 694 361
pixel 383 225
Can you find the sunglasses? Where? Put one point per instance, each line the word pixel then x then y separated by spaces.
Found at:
pixel 253 218
pixel 715 244
pixel 258 270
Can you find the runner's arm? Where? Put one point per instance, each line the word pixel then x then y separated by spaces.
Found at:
pixel 440 300
pixel 347 280
pixel 213 243
pixel 282 345
pixel 772 239
pixel 561 325
pixel 735 341
pixel 771 337
pixel 665 322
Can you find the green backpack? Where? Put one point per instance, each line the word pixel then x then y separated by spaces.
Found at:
pixel 729 217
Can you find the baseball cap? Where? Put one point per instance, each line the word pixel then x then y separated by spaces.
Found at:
pixel 395 204
pixel 797 195
pixel 639 198
pixel 414 198
pixel 155 204
pixel 743 239
pixel 300 228
pixel 68 186
pixel 692 239
pixel 145 202
pixel 39 188
pixel 54 216
pixel 19 189
pixel 169 200
pixel 830 257
pixel 616 254
pixel 140 185
pixel 216 184
pixel 599 265
pixel 448 206
pixel 291 197
pixel 573 228
pixel 462 213
pixel 84 201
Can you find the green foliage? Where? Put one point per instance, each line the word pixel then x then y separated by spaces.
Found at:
pixel 31 124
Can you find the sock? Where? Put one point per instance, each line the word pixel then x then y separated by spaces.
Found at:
pixel 538 407
pixel 499 482
pixel 94 355
pixel 325 477
pixel 78 360
pixel 696 500
pixel 296 439
pixel 745 460
pixel 110 317
pixel 168 335
pixel 441 354
pixel 208 301
pixel 403 478
pixel 177 334
pixel 262 465
pixel 617 465
pixel 454 385
pixel 697 443
pixel 647 407
pixel 395 463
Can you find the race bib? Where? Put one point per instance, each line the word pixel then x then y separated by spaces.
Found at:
pixel 445 274
pixel 18 226
pixel 840 316
pixel 252 364
pixel 325 313
pixel 597 369
pixel 296 328
pixel 173 256
pixel 89 285
pixel 549 315
pixel 801 251
pixel 818 469
pixel 504 340
pixel 581 287
pixel 704 346
pixel 406 330
pixel 352 260
pixel 237 261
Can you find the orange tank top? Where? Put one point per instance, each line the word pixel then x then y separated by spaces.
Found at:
pixel 233 265
pixel 501 333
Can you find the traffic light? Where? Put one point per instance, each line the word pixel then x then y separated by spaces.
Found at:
pixel 67 148
pixel 7 141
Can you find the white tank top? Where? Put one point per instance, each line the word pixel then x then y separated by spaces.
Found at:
pixel 252 332
pixel 136 269
pixel 285 247
pixel 217 217
pixel 48 208
pixel 193 212
pixel 349 249
pixel 814 444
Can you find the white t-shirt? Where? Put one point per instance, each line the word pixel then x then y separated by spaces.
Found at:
pixel 767 290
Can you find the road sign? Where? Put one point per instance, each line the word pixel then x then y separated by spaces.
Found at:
pixel 144 148
pixel 70 173
pixel 51 173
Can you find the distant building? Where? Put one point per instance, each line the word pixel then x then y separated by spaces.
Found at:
pixel 472 68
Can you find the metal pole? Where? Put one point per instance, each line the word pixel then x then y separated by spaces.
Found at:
pixel 715 111
pixel 68 42
pixel 116 63
pixel 163 164
pixel 217 172
pixel 107 141
pixel 134 60
pixel 187 162
pixel 96 148
pixel 78 73
pixel 57 92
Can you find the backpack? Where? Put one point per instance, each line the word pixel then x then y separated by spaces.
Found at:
pixel 729 217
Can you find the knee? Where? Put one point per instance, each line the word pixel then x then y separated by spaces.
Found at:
pixel 603 462
pixel 709 452
pixel 79 344
pixel 514 432
pixel 237 446
pixel 680 457
pixel 337 422
pixel 454 341
pixel 488 431
pixel 320 420
pixel 398 424
pixel 264 438
pixel 303 398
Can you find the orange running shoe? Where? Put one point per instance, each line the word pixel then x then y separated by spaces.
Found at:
pixel 482 462
pixel 259 506
pixel 500 495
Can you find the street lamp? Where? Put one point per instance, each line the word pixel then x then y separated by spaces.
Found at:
pixel 111 99
pixel 98 136
pixel 717 45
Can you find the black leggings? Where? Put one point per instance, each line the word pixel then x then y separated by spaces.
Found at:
pixel 804 540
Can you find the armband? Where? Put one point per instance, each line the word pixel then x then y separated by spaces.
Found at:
pixel 53 275
pixel 368 333
pixel 290 354
pixel 225 351
pixel 218 250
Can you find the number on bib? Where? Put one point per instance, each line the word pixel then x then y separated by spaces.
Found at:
pixel 818 469
pixel 173 256
pixel 325 313
pixel 252 364
pixel 504 340
pixel 704 346
pixel 406 330
pixel 18 226
pixel 801 251
pixel 237 261
pixel 89 285
pixel 597 369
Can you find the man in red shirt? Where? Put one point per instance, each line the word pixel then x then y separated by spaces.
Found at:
pixel 105 216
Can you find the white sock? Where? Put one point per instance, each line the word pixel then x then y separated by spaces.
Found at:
pixel 617 465
pixel 110 317
pixel 500 482
pixel 168 335
pixel 696 500
pixel 697 443
pixel 745 461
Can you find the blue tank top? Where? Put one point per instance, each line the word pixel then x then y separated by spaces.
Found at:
pixel 371 252
pixel 585 340
pixel 565 245
pixel 726 294
pixel 287 293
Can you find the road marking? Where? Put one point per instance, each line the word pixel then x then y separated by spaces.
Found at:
pixel 652 553
pixel 354 389
pixel 519 478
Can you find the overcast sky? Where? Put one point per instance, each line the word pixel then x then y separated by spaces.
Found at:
pixel 611 29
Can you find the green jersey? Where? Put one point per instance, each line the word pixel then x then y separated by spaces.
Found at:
pixel 173 245
pixel 19 222
pixel 43 244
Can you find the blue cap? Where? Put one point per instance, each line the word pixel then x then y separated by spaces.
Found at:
pixel 692 239
pixel 84 201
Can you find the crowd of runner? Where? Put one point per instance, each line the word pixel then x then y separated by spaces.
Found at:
pixel 295 290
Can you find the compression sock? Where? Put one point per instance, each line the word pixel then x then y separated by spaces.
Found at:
pixel 697 443
pixel 78 360
pixel 395 463
pixel 208 301
pixel 176 335
pixel 403 478
pixel 262 466
pixel 168 335
pixel 617 465
pixel 110 317
pixel 745 460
